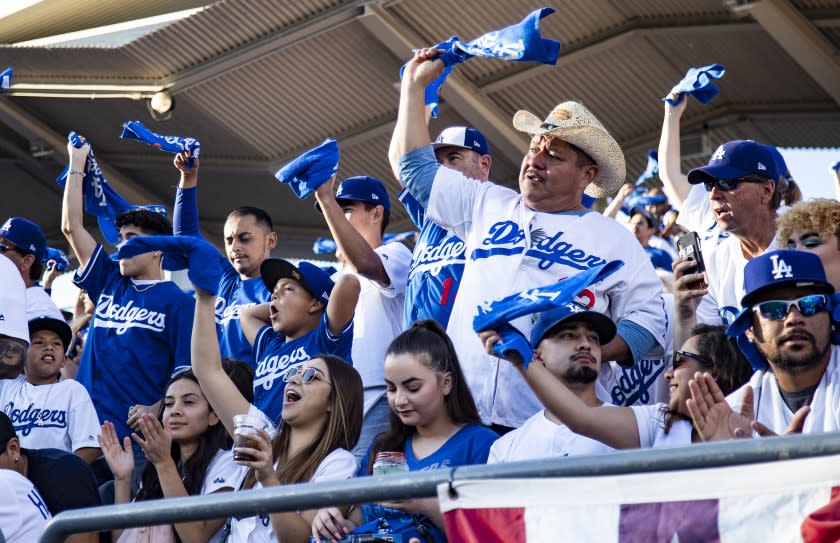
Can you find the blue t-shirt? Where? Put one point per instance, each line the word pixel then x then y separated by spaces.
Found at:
pixel 437 265
pixel 235 293
pixel 276 355
pixel 659 258
pixel 470 445
pixel 138 335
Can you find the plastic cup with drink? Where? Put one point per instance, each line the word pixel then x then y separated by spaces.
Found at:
pixel 388 462
pixel 245 429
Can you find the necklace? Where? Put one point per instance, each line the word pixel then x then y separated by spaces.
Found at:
pixel 40 421
pixel 143 287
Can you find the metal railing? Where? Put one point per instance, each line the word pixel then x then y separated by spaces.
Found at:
pixel 424 483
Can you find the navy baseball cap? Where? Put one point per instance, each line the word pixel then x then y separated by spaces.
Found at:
pixel 25 235
pixel 735 159
pixel 573 312
pixel 58 326
pixel 311 277
pixel 783 268
pixel 462 136
pixel 362 188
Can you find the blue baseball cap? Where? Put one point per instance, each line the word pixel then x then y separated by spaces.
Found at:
pixel 781 165
pixel 311 277
pixel 58 326
pixel 25 235
pixel 462 136
pixel 362 188
pixel 783 268
pixel 573 312
pixel 735 159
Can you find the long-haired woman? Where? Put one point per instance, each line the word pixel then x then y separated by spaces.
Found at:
pixel 320 423
pixel 434 424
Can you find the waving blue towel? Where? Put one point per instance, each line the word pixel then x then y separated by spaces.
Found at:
pixel 512 339
pixel 652 168
pixel 491 315
pixel 311 169
pixel 6 78
pixel 521 42
pixel 60 257
pixel 698 83
pixel 196 255
pixel 134 130
pixel 100 199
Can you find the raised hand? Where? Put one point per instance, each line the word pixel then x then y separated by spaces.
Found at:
pixel 119 457
pixel 156 441
pixel 713 418
pixel 423 68
pixel 489 339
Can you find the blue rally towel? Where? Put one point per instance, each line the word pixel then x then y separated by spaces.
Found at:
pixel 6 78
pixel 134 130
pixel 108 227
pixel 100 199
pixel 311 169
pixel 698 83
pixel 326 245
pixel 652 168
pixel 60 257
pixel 521 42
pixel 492 315
pixel 196 255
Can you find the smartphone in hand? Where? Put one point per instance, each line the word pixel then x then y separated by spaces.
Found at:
pixel 688 246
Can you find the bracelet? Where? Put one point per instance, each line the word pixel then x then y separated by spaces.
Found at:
pixel 75 171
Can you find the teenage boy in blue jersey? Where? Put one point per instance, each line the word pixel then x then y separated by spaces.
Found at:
pixel 249 238
pixel 308 315
pixel 141 325
pixel 437 263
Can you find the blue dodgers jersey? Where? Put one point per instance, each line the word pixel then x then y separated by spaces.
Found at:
pixel 437 265
pixel 276 356
pixel 235 294
pixel 138 335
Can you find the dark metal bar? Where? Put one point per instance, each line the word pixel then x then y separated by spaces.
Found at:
pixel 424 484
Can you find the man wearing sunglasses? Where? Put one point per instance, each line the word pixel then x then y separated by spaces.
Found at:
pixel 745 188
pixel 23 242
pixel 785 331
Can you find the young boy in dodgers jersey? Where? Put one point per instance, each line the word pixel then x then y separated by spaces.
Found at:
pixel 249 238
pixel 141 325
pixel 308 315
pixel 47 413
pixel 520 241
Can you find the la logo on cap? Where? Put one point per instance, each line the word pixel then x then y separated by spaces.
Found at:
pixel 780 269
pixel 719 153
pixel 574 308
pixel 6 225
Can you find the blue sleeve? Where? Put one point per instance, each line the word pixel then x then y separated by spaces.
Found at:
pixel 483 441
pixel 185 215
pixel 181 333
pixel 413 207
pixel 638 339
pixel 417 172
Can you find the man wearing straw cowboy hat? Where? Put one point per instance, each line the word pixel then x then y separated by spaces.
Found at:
pixel 534 238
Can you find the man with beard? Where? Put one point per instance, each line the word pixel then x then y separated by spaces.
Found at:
pixel 786 324
pixel 568 342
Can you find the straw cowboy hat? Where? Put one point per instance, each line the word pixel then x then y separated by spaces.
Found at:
pixel 573 123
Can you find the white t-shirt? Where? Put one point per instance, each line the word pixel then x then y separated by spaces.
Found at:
pixel 56 416
pixel 771 410
pixel 651 422
pixel 725 274
pixel 540 437
pixel 511 248
pixel 23 512
pixel 39 304
pixel 378 318
pixel 339 464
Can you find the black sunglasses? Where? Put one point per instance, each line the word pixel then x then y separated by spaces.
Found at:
pixel 730 184
pixel 694 356
pixel 6 248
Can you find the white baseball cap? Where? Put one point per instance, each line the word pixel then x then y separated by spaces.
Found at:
pixel 13 321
